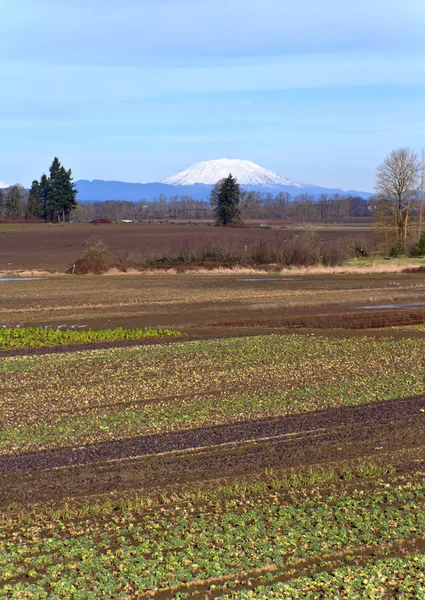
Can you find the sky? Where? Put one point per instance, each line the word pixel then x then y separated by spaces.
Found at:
pixel 135 90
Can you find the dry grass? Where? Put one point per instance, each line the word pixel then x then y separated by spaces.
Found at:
pixel 352 268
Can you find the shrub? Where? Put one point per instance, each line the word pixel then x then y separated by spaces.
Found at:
pixel 420 269
pixel 334 253
pixel 199 253
pixel 298 250
pixel 397 250
pixel 361 247
pixel 419 248
pixel 93 259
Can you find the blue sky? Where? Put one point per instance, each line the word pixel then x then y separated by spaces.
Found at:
pixel 317 90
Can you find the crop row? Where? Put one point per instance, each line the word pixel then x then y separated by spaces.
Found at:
pixel 37 337
pixel 134 551
pixel 420 327
pixel 97 395
pixel 402 578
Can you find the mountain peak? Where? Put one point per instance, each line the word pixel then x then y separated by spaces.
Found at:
pixel 3 185
pixel 246 172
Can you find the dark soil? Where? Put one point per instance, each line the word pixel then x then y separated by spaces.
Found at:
pixel 358 319
pixel 210 453
pixel 420 269
pixel 56 247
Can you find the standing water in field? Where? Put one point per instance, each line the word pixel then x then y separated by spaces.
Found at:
pixel 18 278
pixel 403 305
pixel 263 279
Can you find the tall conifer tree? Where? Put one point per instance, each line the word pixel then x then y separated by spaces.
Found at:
pixel 35 204
pixel 43 192
pixel 225 198
pixel 56 194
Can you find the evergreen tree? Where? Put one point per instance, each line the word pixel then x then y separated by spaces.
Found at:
pixel 54 191
pixel 69 200
pixel 225 198
pixel 1 203
pixel 35 207
pixel 61 193
pixel 43 195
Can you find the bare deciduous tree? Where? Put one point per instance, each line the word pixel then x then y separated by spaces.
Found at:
pixel 397 184
pixel 421 194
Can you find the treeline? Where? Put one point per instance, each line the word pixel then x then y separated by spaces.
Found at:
pixel 14 203
pixel 253 205
pixel 54 197
pixel 50 199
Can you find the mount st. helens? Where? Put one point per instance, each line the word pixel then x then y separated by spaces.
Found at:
pixel 197 180
pixel 246 172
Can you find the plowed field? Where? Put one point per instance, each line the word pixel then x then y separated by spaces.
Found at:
pixel 275 450
pixel 55 247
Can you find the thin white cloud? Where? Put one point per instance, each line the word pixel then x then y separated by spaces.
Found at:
pixel 59 87
pixel 101 83
pixel 89 31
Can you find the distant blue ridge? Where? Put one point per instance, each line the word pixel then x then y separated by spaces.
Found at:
pixel 99 190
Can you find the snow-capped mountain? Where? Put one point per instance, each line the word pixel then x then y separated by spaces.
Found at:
pixel 198 180
pixel 3 185
pixel 245 171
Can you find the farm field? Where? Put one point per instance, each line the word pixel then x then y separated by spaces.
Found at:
pixel 269 444
pixel 55 247
pixel 354 532
pixel 266 466
pixel 226 301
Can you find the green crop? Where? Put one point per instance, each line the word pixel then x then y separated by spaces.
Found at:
pixel 402 578
pixel 342 533
pixel 96 395
pixel 37 337
pixel 252 533
pixel 420 327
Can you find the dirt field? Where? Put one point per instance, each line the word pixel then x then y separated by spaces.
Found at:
pixel 207 454
pixel 55 247
pixel 275 450
pixel 188 301
pixel 220 468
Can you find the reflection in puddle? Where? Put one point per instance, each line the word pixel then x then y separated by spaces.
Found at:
pixel 384 306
